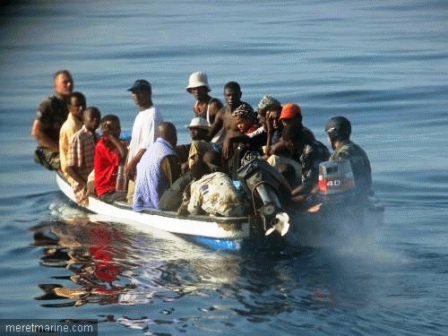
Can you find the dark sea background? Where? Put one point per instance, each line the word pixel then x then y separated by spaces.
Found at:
pixel 383 64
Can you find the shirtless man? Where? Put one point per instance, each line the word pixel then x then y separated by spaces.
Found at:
pixel 205 106
pixel 226 125
pixel 224 119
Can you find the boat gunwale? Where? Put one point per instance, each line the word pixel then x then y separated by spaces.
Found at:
pixel 171 214
pixel 239 226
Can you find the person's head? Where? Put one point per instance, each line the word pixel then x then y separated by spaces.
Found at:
pixel 199 128
pixel 167 131
pixel 290 112
pixel 288 172
pixel 110 125
pixel 293 136
pixel 77 104
pixel 268 110
pixel 244 117
pixel 91 118
pixel 267 104
pixel 199 168
pixel 212 157
pixel 142 93
pixel 198 85
pixel 63 83
pixel 338 129
pixel 232 94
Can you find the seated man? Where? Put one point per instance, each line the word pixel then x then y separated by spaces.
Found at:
pixel 290 113
pixel 284 158
pixel 247 137
pixel 269 110
pixel 309 154
pixel 110 156
pixel 289 173
pixel 157 169
pixel 172 198
pixel 215 194
pixel 199 130
pixel 246 120
pixel 51 114
pixel 81 154
pixel 179 191
pixel 338 130
pixel 76 107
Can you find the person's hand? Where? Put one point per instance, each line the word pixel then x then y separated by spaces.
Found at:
pixel 270 117
pixel 106 128
pixel 227 148
pixel 130 170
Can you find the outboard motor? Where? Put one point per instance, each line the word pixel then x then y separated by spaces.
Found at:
pixel 337 193
pixel 267 189
pixel 336 181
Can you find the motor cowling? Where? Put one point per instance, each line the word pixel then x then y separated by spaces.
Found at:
pixel 336 181
pixel 268 189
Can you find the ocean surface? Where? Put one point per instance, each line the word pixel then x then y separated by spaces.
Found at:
pixel 382 64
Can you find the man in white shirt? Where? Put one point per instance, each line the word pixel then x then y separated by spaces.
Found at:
pixel 144 131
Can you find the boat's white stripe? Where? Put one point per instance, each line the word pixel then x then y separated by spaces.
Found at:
pixel 181 225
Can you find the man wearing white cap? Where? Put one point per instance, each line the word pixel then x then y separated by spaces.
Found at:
pixel 199 133
pixel 205 106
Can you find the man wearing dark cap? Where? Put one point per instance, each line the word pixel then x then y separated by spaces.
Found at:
pixel 144 131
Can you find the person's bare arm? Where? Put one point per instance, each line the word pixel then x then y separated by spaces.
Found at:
pixel 41 138
pixel 76 176
pixel 227 148
pixel 214 107
pixel 217 124
pixel 131 167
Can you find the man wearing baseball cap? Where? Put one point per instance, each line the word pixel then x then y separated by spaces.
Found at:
pixel 144 130
pixel 289 113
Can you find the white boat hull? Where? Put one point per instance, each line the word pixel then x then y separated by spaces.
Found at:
pixel 200 226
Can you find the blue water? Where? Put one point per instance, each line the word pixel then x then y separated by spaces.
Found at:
pixel 383 64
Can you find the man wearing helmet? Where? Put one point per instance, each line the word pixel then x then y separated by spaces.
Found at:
pixel 338 131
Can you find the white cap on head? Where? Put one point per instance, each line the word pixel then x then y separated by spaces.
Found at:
pixel 199 122
pixel 197 79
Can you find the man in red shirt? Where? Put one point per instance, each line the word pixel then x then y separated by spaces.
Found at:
pixel 110 155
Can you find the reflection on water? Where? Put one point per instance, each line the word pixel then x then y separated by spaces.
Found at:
pixel 178 284
pixel 103 262
pixel 94 255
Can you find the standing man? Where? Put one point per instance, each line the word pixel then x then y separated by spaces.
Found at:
pixel 224 119
pixel 205 106
pixel 143 131
pixel 158 168
pixel 51 114
pixel 338 130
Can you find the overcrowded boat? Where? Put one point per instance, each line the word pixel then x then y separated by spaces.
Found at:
pixel 330 213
